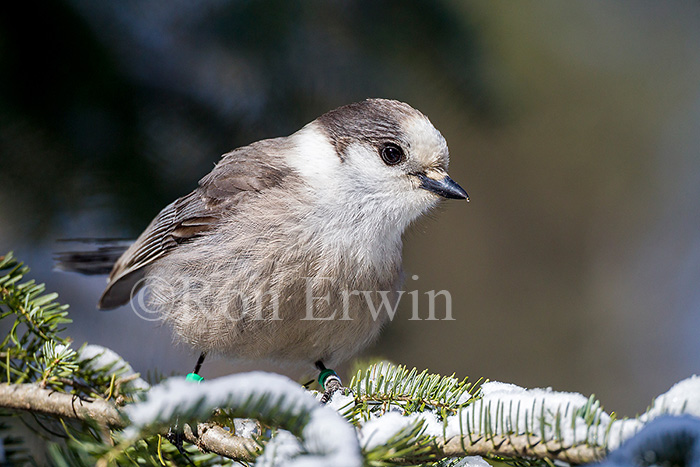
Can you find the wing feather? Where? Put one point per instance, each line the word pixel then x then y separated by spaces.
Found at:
pixel 253 168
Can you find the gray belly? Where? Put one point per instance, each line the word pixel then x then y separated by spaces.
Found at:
pixel 272 312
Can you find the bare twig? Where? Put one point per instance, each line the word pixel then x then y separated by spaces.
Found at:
pixel 213 438
pixel 40 400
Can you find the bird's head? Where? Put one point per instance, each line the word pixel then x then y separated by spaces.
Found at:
pixel 382 152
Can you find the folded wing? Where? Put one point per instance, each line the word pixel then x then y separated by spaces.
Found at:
pixel 251 169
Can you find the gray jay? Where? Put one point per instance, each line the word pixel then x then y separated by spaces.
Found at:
pixel 276 253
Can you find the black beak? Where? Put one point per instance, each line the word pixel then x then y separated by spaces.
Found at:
pixel 445 187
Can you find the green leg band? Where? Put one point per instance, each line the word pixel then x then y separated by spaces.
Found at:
pixel 194 377
pixel 326 375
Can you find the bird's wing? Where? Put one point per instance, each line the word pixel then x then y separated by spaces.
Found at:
pixel 252 168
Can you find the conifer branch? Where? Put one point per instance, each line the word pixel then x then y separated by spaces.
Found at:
pixel 206 436
pixel 519 446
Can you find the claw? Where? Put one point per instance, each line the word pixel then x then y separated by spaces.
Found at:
pixel 332 386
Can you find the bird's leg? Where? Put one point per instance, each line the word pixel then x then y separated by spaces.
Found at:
pixel 194 376
pixel 329 380
pixel 175 434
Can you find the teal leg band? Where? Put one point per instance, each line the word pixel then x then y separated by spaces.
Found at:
pixel 325 375
pixel 194 377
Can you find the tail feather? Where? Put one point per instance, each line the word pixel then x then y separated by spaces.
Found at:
pixel 94 256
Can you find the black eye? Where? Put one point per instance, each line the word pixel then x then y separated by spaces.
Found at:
pixel 391 154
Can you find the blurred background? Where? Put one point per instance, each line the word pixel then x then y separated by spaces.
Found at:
pixel 574 126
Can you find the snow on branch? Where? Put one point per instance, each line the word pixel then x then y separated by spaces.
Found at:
pixel 326 438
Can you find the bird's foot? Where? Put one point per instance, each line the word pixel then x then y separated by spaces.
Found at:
pixel 331 387
pixel 176 436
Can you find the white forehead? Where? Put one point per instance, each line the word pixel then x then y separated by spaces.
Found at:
pixel 426 143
